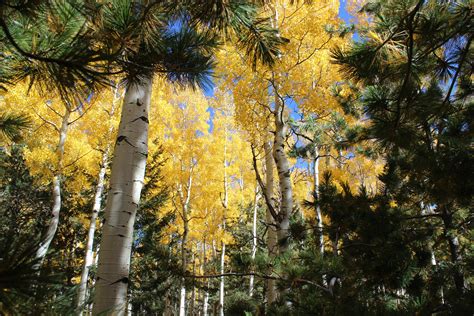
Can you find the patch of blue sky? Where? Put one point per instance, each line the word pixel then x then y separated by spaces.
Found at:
pixel 210 121
pixel 301 163
pixel 209 88
pixel 347 17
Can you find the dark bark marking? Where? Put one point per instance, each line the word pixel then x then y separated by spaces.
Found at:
pixel 143 118
pixel 124 138
pixel 120 138
pixel 123 280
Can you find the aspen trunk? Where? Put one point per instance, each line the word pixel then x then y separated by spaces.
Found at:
pixel 127 175
pixel 254 238
pixel 193 292
pixel 318 208
pixel 56 193
pixel 88 259
pixel 283 168
pixel 185 200
pixel 271 294
pixel 182 298
pixel 95 261
pixel 205 303
pixel 225 204
pixel 222 284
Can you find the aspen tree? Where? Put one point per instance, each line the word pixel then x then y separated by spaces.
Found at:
pixel 88 258
pixel 56 196
pixel 254 237
pixel 127 175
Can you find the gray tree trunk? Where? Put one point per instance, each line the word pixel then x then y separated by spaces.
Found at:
pixel 185 200
pixel 271 293
pixel 318 208
pixel 89 256
pixel 56 193
pixel 127 176
pixel 254 237
pixel 283 169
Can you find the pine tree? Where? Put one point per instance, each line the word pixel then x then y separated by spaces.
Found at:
pixel 414 66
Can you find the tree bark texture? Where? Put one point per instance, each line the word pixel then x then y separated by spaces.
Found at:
pixel 127 176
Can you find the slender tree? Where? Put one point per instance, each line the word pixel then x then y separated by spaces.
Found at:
pixel 96 208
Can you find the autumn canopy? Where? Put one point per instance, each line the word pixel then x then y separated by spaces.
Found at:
pixel 236 157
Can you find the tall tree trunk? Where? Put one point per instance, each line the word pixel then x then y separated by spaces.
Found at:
pixel 254 237
pixel 193 292
pixel 127 175
pixel 89 255
pixel 88 259
pixel 271 294
pixel 283 168
pixel 318 208
pixel 205 303
pixel 222 283
pixel 56 193
pixel 182 298
pixel 225 205
pixel 185 200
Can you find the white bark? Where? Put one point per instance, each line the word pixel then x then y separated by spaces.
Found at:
pixel 96 258
pixel 56 193
pixel 318 208
pixel 271 294
pixel 127 175
pixel 225 203
pixel 254 237
pixel 283 168
pixel 185 200
pixel 182 300
pixel 206 303
pixel 222 284
pixel 193 292
pixel 89 257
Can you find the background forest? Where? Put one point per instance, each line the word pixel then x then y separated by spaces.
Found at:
pixel 236 157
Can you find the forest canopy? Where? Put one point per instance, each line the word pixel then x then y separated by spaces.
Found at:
pixel 236 157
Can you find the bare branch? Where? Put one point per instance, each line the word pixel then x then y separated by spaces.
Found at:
pixel 48 122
